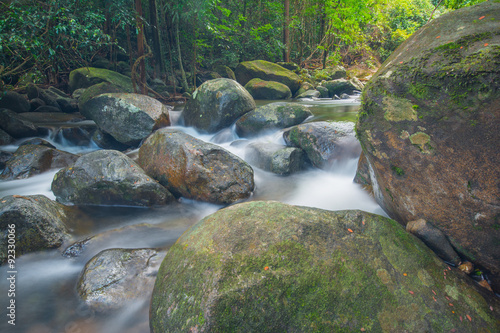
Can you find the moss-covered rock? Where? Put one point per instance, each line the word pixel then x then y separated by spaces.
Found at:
pixel 324 142
pixel 96 90
pixel 330 73
pixel 216 104
pixel 225 72
pixel 38 223
pixel 267 71
pixel 195 169
pixel 14 101
pixel 129 118
pixel 260 89
pixel 309 94
pixel 341 86
pixel 275 158
pixel 88 76
pixel 270 117
pixel 108 177
pixel 272 267
pixel 429 125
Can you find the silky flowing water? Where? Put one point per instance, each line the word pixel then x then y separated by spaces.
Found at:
pixel 46 297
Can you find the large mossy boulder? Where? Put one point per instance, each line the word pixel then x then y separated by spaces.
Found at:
pixel 96 90
pixel 270 117
pixel 37 224
pixel 88 76
pixel 267 71
pixel 272 267
pixel 216 104
pixel 118 277
pixel 260 89
pixel 430 127
pixel 195 169
pixel 324 142
pixel 108 177
pixel 129 118
pixel 33 159
pixel 14 101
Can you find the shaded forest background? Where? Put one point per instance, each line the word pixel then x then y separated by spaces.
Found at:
pixel 173 40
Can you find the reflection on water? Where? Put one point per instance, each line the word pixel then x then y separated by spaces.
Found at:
pixel 46 297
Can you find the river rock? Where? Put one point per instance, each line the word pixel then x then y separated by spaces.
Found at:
pixel 5 138
pixel 429 125
pixel 15 125
pixel 216 104
pixel 47 109
pixel 272 267
pixel 35 103
pixel 290 66
pixel 309 94
pixel 330 73
pixel 30 160
pixel 116 277
pixel 14 101
pixel 271 117
pixel 324 142
pixel 260 89
pixel 88 76
pixel 341 86
pixel 305 86
pixel 108 177
pixel 363 174
pixel 434 239
pixel 275 158
pixel 96 90
pixel 39 224
pixel 4 157
pixel 129 118
pixel 106 141
pixel 225 72
pixel 323 92
pixel 195 169
pixel 38 142
pixel 267 71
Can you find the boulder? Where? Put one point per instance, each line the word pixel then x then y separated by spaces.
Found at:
pixel 429 125
pixel 271 117
pixel 272 267
pixel 30 160
pixel 15 125
pixel 5 138
pixel 129 118
pixel 225 72
pixel 106 141
pixel 260 89
pixel 305 86
pixel 39 224
pixel 38 142
pixel 216 104
pixel 363 174
pixel 323 92
pixel 88 76
pixel 35 103
pixel 309 94
pixel 14 101
pixel 324 142
pixel 207 76
pixel 4 157
pixel 195 169
pixel 275 158
pixel 330 73
pixel 96 90
pixel 117 277
pixel 341 86
pixel 107 177
pixel 47 109
pixel 291 66
pixel 267 71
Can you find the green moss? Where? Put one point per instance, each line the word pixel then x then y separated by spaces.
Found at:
pixel 398 171
pixel 398 109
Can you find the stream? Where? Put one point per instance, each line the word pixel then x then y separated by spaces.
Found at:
pixel 46 297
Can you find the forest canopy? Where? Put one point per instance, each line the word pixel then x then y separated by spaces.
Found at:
pixel 42 41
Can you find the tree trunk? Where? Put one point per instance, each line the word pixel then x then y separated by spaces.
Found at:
pixel 286 34
pixel 155 31
pixel 140 45
pixel 179 55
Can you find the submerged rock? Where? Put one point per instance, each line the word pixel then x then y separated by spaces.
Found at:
pixel 275 158
pixel 33 159
pixel 429 125
pixel 272 267
pixel 39 224
pixel 260 89
pixel 267 71
pixel 116 277
pixel 129 118
pixel 108 177
pixel 216 104
pixel 271 116
pixel 195 169
pixel 324 142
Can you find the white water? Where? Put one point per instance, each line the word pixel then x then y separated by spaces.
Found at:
pixel 46 287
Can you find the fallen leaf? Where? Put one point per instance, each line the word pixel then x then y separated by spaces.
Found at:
pixel 4 201
pixel 461 47
pixel 363 222
pixel 447 298
pixel 434 292
pixel 434 298
pixel 404 274
pixel 461 318
pixel 449 268
pixel 411 292
pixel 362 329
pixel 468 317
pixel 482 17
pixel 438 37
pixel 486 44
pixel 266 268
pixel 491 308
pixel 450 304
pixel 350 230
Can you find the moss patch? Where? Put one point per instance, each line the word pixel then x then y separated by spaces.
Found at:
pixel 398 109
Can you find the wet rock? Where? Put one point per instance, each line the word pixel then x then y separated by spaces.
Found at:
pixel 324 142
pixel 30 160
pixel 267 71
pixel 106 141
pixel 107 177
pixel 195 169
pixel 225 72
pixel 216 104
pixel 260 89
pixel 48 109
pixel 341 86
pixel 39 224
pixel 275 158
pixel 270 117
pixel 14 101
pixel 434 239
pixel 88 76
pixel 344 96
pixel 116 277
pixel 96 90
pixel 129 118
pixel 363 176
pixel 5 138
pixel 267 266
pixel 15 125
pixel 35 103
pixel 429 127
pixel 68 105
pixel 38 142
pixel 4 157
pixel 310 94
